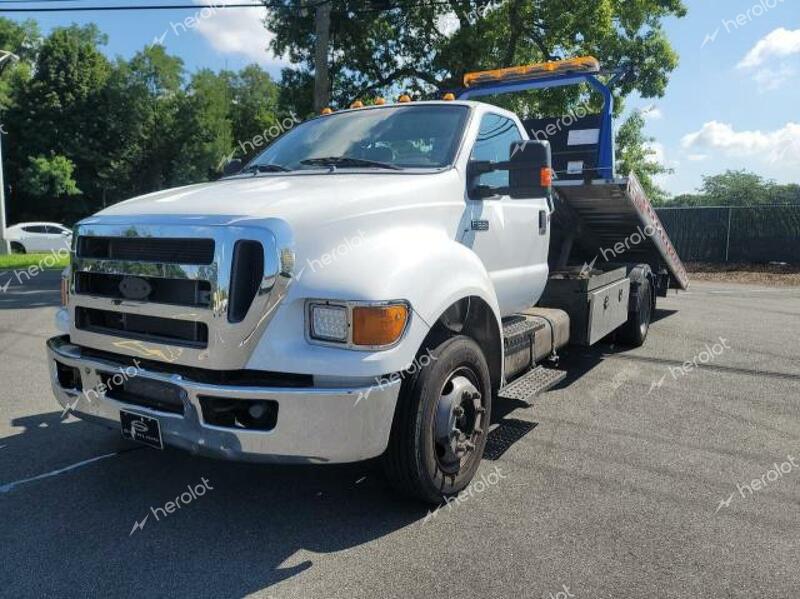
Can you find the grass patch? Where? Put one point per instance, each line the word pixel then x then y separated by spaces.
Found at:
pixel 23 261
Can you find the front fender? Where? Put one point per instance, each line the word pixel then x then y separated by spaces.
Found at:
pixel 424 266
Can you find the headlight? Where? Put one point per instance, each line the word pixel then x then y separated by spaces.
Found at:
pixel 329 323
pixel 358 324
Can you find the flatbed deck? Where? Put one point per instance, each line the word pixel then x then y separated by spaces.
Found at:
pixel 618 212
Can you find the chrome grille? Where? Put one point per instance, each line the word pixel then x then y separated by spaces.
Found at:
pixel 138 249
pixel 182 310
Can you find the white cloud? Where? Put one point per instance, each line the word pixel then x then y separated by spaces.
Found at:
pixel 771 79
pixel 778 147
pixel 237 31
pixel 779 43
pixel 697 157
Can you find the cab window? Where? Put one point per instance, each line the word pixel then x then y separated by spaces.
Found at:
pixel 495 136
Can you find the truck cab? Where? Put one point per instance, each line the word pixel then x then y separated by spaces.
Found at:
pixel 365 287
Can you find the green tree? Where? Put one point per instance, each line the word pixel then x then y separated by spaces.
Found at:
pixel 49 177
pixel 379 47
pixel 635 154
pixel 24 40
pixel 204 129
pixel 740 188
pixel 141 108
pixel 254 102
pixel 57 111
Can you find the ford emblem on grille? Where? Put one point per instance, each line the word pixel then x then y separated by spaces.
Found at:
pixel 134 288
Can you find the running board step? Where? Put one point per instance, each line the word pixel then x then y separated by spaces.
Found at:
pixel 529 385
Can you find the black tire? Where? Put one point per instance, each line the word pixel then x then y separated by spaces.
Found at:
pixel 17 248
pixel 416 463
pixel 634 332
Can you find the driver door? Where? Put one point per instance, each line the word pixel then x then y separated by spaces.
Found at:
pixel 511 237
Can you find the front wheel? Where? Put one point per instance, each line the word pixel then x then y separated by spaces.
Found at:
pixel 441 423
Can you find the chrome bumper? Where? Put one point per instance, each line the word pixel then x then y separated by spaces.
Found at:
pixel 313 426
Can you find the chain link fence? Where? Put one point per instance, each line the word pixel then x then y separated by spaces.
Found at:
pixel 756 234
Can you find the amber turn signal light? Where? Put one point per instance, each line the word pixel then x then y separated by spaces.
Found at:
pixel 546 177
pixel 379 325
pixel 64 291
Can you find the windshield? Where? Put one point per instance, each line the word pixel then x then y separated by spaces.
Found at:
pixel 393 137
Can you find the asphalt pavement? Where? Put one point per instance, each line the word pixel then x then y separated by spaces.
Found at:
pixel 670 471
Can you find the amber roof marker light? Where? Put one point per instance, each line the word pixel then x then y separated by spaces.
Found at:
pixel 582 65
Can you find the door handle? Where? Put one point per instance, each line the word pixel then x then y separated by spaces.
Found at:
pixel 542 222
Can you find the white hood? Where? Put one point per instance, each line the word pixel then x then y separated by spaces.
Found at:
pixel 298 198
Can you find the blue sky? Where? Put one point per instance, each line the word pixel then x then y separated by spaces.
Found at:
pixel 734 101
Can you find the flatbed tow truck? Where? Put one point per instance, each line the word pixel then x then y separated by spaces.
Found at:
pixel 366 287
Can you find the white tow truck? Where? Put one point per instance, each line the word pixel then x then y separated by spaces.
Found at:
pixel 366 287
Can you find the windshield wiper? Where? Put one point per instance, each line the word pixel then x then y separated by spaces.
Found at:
pixel 265 168
pixel 347 161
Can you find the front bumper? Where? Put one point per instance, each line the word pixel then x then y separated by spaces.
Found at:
pixel 314 425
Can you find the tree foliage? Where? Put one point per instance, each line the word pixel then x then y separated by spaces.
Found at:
pixel 380 47
pixel 740 188
pixel 49 177
pixel 96 131
pixel 635 154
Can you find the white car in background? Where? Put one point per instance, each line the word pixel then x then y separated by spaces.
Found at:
pixel 38 237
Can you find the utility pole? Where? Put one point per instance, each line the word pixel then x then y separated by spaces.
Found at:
pixel 6 58
pixel 322 35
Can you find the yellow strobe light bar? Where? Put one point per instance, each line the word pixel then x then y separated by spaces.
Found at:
pixel 582 65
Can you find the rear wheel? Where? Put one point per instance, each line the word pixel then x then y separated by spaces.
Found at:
pixel 441 423
pixel 17 248
pixel 640 314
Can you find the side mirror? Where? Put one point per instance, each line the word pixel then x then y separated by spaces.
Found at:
pixel 530 173
pixel 232 167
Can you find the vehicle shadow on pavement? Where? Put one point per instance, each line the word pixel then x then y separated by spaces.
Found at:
pixel 577 361
pixel 19 290
pixel 75 533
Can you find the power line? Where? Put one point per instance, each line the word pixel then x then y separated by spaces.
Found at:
pixel 129 7
pixel 195 7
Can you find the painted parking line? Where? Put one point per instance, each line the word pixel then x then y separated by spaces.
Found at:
pixel 12 485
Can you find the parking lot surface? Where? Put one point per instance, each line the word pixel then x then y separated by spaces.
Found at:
pixel 672 470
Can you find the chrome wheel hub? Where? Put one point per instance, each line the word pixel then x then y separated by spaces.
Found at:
pixel 458 421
